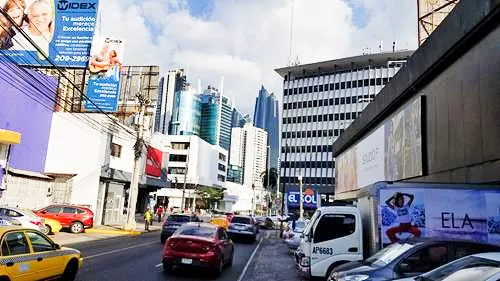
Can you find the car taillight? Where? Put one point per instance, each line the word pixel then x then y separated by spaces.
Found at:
pixel 171 244
pixel 208 247
pixel 36 223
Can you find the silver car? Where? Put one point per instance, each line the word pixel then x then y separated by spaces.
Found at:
pixel 21 217
pixel 292 236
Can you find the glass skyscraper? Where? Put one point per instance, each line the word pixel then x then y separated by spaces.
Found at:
pixel 216 118
pixel 266 116
pixel 186 113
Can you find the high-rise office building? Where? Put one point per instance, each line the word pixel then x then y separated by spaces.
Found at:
pixel 266 116
pixel 172 82
pixel 216 118
pixel 249 154
pixel 320 100
pixel 186 115
pixel 238 120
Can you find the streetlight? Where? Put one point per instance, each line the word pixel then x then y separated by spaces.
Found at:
pixel 301 207
pixel 268 183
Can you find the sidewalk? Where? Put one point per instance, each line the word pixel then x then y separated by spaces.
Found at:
pixel 272 262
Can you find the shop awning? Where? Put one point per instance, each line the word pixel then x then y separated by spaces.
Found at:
pixel 9 137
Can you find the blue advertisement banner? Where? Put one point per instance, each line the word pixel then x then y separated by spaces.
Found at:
pixel 446 213
pixel 62 30
pixel 309 197
pixel 105 72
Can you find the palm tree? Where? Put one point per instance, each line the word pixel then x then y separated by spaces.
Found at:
pixel 273 178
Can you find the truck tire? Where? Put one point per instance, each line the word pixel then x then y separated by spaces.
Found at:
pixel 333 266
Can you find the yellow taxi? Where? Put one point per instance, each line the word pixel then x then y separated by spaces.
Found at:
pixel 28 254
pixel 51 226
pixel 220 220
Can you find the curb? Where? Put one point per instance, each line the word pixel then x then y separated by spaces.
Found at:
pixel 116 232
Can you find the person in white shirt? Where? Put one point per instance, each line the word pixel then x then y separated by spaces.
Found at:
pixel 39 29
pixel 403 211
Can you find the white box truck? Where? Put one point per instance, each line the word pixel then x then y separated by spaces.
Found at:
pixel 386 212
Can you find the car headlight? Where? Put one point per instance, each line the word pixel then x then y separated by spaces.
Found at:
pixel 355 278
pixel 304 261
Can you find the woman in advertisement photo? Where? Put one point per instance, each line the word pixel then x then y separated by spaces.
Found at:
pixel 402 208
pixel 15 10
pixel 40 28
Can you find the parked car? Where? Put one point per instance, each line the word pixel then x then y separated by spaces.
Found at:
pixel 76 218
pixel 292 236
pixel 243 226
pixel 477 273
pixel 173 222
pixel 408 258
pixel 484 261
pixel 26 218
pixel 27 254
pixel 264 222
pixel 198 245
pixel 220 220
pixel 51 226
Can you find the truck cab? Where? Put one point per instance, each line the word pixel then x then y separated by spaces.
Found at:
pixel 333 237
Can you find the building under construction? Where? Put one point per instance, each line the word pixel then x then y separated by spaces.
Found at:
pixel 430 14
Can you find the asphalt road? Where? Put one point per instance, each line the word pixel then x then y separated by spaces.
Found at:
pixel 138 258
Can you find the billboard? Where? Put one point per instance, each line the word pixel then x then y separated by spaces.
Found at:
pixel 470 214
pixel 309 199
pixel 392 152
pixel 105 66
pixel 61 29
pixel 154 161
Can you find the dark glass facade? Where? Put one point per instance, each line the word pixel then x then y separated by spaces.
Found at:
pixel 266 116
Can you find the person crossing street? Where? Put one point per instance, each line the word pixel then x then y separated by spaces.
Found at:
pixel 159 213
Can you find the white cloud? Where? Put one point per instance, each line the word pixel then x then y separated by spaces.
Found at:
pixel 244 41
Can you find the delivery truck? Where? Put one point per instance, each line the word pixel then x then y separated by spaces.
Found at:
pixel 387 212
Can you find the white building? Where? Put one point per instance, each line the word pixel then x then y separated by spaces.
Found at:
pixel 249 150
pixel 172 82
pixel 206 167
pixel 320 100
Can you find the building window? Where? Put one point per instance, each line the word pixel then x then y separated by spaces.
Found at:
pixel 331 87
pixel 116 150
pixel 316 88
pixel 285 92
pixel 337 101
pixel 330 117
pixel 348 85
pixel 299 105
pixel 309 104
pixel 348 116
pixel 221 178
pixel 366 82
pixel 321 88
pixel 354 84
pixel 309 118
pixel 309 133
pixel 330 133
pixel 336 132
pixel 337 86
pixel 283 135
pixel 320 103
pixel 178 158
pixel 180 145
pixel 342 85
pixel 300 90
pixel 372 82
pixel 378 81
pixel 313 135
pixel 305 90
pixel 315 118
pixel 310 89
pixel 304 104
pixel 342 100
pixel 222 157
pixel 315 103
pixel 177 170
pixel 222 168
pixel 295 91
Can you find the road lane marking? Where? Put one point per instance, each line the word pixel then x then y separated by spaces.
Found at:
pixel 250 260
pixel 158 265
pixel 119 250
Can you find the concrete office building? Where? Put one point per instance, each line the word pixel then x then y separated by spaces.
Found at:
pixel 266 116
pixel 320 100
pixel 249 152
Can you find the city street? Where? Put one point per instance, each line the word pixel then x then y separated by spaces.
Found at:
pixel 139 258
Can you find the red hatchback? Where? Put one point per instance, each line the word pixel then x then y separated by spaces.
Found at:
pixel 76 218
pixel 200 245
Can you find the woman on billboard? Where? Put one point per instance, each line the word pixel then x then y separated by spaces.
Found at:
pixel 403 211
pixel 15 10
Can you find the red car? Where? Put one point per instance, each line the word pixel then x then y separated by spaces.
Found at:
pixel 76 218
pixel 197 244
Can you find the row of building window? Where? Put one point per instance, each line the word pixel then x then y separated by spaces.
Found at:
pixel 308 180
pixel 321 118
pixel 176 170
pixel 222 167
pixel 312 134
pixel 178 158
pixel 306 148
pixel 328 102
pixel 221 178
pixel 308 164
pixel 336 86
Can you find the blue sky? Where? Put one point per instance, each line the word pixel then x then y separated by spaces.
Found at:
pixel 200 8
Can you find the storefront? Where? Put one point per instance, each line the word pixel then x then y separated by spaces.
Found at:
pixel 7 138
pixel 310 201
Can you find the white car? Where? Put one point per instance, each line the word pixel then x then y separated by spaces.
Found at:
pixel 479 267
pixel 292 236
pixel 21 217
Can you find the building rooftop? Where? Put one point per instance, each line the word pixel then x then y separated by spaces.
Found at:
pixel 375 59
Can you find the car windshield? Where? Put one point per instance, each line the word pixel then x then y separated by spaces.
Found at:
pixel 299 226
pixel 481 273
pixel 243 220
pixel 388 254
pixel 200 231
pixel 471 261
pixel 177 218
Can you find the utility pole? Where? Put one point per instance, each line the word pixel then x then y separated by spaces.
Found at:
pixel 283 194
pixel 185 178
pixel 268 183
pixel 301 204
pixel 136 174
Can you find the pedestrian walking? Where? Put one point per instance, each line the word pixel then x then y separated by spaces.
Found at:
pixel 148 217
pixel 159 213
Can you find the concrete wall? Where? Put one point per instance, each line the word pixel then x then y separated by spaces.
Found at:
pixel 28 99
pixel 463 117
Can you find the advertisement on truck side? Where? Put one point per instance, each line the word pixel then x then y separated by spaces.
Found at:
pixel 468 214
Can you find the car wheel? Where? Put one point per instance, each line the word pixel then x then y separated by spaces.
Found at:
pixel 220 267
pixel 46 229
pixel 167 267
pixel 163 240
pixel 76 227
pixel 230 262
pixel 70 271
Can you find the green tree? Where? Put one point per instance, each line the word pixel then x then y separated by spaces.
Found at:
pixel 273 178
pixel 210 195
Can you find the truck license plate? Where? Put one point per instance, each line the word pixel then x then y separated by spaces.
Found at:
pixel 187 261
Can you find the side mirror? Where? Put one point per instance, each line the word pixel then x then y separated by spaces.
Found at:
pixel 404 267
pixel 57 246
